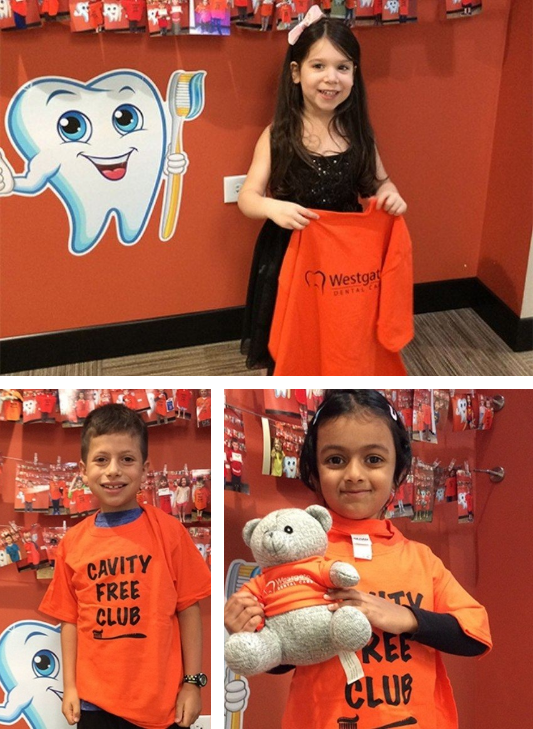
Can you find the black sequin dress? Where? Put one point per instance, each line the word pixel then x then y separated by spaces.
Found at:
pixel 325 188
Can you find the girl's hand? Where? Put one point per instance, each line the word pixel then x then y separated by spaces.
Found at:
pixel 381 613
pixel 290 215
pixel 243 613
pixel 392 202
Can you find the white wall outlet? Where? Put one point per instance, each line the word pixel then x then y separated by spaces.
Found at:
pixel 203 722
pixel 232 187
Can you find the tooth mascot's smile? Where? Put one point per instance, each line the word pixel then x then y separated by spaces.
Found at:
pixel 105 148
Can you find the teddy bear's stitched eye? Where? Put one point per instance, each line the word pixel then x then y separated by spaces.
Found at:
pixel 288 529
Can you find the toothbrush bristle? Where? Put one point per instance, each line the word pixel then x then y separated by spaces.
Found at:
pixel 188 94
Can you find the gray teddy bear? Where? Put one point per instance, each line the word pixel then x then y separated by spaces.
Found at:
pixel 289 545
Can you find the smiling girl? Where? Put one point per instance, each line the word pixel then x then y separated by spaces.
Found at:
pixel 318 153
pixel 355 455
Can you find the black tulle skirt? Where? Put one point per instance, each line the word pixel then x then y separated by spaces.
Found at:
pixel 269 252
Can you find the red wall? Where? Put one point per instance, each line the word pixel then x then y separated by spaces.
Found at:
pixel 434 96
pixel 504 695
pixel 508 224
pixel 484 556
pixel 21 593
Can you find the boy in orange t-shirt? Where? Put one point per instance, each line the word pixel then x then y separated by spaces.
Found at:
pixel 126 587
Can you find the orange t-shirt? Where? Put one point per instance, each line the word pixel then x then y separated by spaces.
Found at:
pixel 405 682
pixel 200 498
pixel 345 297
pixel 293 585
pixel 55 493
pixel 123 586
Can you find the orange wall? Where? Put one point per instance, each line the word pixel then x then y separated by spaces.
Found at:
pixel 433 89
pixel 21 593
pixel 484 689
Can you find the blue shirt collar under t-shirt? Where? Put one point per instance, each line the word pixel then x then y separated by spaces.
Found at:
pixel 117 518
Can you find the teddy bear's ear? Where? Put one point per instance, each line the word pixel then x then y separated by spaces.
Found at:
pixel 321 515
pixel 249 529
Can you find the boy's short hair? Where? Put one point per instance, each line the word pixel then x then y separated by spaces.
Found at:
pixel 113 418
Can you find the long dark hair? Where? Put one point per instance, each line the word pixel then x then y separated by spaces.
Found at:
pixel 350 121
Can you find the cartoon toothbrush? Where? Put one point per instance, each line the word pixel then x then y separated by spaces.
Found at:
pixel 186 101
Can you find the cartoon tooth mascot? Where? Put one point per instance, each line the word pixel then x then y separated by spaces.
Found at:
pixel 104 148
pixel 31 675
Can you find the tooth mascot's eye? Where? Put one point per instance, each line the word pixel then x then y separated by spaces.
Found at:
pixel 74 127
pixel 127 118
pixel 45 664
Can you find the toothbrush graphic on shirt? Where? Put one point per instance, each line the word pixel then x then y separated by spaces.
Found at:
pixel 186 101
pixel 99 635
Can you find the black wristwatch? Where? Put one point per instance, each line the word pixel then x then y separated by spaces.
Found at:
pixel 199 679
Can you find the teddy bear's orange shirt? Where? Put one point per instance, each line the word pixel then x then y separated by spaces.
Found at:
pixel 292 585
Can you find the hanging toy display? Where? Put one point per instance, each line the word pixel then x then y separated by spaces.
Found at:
pixel 465 495
pixel 423 492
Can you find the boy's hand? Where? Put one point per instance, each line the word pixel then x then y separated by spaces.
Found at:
pixel 188 704
pixel 71 706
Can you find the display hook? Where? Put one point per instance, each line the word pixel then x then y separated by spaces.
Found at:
pixel 495 474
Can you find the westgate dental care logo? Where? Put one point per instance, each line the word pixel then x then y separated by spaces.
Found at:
pixel 342 284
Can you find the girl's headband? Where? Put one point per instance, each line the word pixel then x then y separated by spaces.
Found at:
pixel 393 413
pixel 313 14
